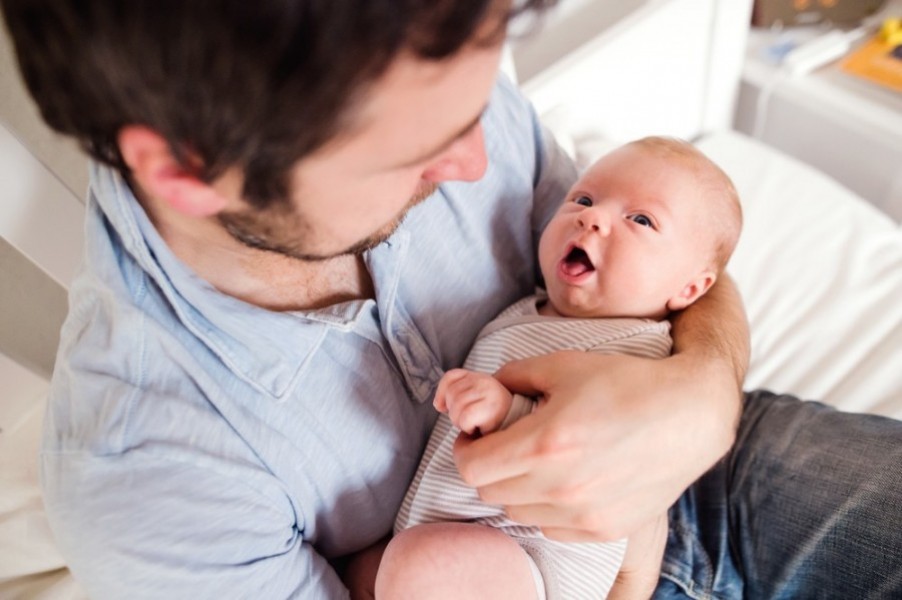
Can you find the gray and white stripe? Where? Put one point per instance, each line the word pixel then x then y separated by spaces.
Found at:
pixel 437 493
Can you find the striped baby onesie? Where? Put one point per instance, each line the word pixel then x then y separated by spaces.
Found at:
pixel 563 570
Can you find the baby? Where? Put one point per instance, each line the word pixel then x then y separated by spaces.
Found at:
pixel 645 231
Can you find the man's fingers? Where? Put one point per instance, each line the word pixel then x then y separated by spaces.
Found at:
pixel 524 447
pixel 576 523
pixel 502 455
pixel 523 376
pixel 574 535
pixel 535 376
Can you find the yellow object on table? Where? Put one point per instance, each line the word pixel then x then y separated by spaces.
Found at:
pixel 891 31
pixel 876 60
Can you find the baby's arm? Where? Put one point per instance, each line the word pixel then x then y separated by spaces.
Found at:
pixel 475 402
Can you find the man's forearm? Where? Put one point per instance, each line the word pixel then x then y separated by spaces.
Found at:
pixel 712 337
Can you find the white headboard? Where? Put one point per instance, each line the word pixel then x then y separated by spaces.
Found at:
pixel 637 68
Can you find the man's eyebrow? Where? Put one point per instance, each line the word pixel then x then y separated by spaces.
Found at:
pixel 447 143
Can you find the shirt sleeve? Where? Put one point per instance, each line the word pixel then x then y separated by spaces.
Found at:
pixel 555 175
pixel 553 170
pixel 139 525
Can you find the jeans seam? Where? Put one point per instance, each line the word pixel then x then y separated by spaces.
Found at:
pixel 689 588
pixel 688 584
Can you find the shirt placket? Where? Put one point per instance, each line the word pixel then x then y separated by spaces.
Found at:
pixel 418 365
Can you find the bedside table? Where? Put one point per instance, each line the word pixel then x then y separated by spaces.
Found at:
pixel 848 128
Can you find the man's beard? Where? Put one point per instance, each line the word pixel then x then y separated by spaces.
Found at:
pixel 280 230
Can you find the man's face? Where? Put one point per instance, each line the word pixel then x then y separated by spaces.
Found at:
pixel 417 127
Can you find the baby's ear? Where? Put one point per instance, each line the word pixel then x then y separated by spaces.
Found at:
pixel 692 291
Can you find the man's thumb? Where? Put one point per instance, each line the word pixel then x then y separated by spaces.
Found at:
pixel 530 376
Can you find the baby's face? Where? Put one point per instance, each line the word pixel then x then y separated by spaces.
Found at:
pixel 631 235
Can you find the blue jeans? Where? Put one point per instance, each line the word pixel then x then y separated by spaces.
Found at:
pixel 808 504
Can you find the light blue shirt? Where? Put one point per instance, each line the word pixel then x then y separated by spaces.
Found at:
pixel 197 446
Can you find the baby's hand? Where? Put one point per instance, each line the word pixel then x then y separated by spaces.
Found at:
pixel 475 402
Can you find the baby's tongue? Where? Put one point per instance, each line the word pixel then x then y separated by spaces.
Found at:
pixel 575 269
pixel 577 263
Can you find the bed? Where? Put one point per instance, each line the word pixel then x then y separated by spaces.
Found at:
pixel 819 268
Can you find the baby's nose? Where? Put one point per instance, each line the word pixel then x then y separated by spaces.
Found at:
pixel 597 221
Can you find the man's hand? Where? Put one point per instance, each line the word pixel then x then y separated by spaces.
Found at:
pixel 615 444
pixel 619 438
pixel 475 402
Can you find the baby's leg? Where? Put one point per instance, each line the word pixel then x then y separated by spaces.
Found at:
pixel 454 560
pixel 641 567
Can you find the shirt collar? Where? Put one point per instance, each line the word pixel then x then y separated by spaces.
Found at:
pixel 266 349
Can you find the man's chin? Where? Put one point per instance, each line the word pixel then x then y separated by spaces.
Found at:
pixel 388 230
pixel 420 195
pixel 243 228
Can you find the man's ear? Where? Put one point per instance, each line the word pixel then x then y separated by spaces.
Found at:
pixel 160 175
pixel 692 291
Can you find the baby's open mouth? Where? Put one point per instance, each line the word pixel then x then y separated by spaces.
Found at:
pixel 577 262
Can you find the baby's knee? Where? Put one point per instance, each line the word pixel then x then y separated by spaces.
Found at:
pixel 411 560
pixel 453 560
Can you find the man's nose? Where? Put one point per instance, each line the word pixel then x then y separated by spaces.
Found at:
pixel 464 160
pixel 596 220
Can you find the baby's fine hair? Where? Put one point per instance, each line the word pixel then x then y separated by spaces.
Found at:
pixel 716 185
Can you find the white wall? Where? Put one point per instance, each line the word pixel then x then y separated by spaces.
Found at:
pixel 41 218
pixel 636 68
pixel 19 114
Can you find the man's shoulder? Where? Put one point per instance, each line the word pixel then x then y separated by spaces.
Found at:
pixel 118 354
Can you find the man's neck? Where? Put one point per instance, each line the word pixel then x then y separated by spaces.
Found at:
pixel 259 277
pixel 279 283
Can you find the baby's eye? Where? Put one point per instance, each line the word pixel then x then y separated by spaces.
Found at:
pixel 643 220
pixel 584 200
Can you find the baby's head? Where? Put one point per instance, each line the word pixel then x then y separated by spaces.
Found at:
pixel 646 230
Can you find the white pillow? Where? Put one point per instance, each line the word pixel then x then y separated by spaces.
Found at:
pixel 820 271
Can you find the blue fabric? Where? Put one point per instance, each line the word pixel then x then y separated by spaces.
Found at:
pixel 807 505
pixel 197 446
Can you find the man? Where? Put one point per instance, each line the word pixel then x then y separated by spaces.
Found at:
pixel 306 211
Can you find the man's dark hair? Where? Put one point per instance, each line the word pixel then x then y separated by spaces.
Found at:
pixel 254 83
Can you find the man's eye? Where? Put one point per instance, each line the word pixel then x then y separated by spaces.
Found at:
pixel 643 220
pixel 584 200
